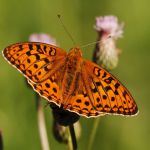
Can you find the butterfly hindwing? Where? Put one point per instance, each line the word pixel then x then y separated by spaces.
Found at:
pixel 50 89
pixel 81 103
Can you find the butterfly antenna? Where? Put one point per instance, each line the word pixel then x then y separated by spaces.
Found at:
pixel 59 16
pixel 100 42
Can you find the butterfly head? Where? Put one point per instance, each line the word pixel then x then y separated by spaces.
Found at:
pixel 75 52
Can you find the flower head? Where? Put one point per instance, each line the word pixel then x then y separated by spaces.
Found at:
pixel 110 25
pixel 106 52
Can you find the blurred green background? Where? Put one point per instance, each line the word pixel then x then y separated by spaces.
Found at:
pixel 18 118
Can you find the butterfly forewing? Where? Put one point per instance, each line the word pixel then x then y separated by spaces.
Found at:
pixel 50 89
pixel 37 61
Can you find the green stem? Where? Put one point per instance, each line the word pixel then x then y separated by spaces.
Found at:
pixel 72 142
pixel 1 141
pixel 93 134
pixel 41 125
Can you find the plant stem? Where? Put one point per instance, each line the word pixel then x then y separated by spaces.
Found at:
pixel 92 136
pixel 1 141
pixel 41 124
pixel 73 137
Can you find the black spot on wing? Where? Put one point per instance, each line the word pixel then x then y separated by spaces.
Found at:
pixel 107 88
pixel 28 53
pixel 37 56
pixel 109 80
pixel 30 46
pixel 38 47
pixel 78 100
pixel 117 85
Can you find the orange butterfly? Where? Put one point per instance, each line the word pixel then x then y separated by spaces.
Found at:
pixel 69 81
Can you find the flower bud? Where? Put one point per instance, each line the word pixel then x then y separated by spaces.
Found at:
pixel 61 133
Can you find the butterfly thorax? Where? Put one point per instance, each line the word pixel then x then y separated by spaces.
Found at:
pixel 72 73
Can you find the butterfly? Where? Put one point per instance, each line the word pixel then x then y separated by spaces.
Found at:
pixel 69 81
